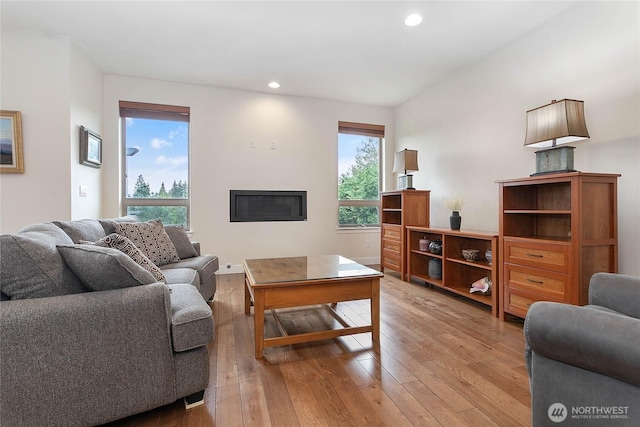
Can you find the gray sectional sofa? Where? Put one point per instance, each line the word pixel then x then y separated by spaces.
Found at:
pixel 88 336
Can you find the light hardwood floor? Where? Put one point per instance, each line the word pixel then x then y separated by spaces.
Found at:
pixel 443 361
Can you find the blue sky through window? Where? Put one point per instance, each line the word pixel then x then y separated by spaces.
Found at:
pixel 163 154
pixel 347 147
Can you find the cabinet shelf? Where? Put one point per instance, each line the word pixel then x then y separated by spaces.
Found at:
pixel 458 274
pixel 479 264
pixel 538 211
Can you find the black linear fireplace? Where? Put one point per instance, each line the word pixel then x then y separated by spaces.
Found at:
pixel 255 206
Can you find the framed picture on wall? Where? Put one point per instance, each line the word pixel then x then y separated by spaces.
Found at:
pixel 11 156
pixel 90 148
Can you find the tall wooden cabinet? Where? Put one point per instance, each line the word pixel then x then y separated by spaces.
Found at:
pixel 556 231
pixel 400 209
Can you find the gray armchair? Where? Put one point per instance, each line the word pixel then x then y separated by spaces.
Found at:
pixel 584 362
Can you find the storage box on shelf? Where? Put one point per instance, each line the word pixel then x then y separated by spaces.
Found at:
pixel 400 209
pixel 556 231
pixel 458 274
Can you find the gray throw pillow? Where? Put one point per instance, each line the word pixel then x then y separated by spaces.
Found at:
pixel 180 240
pixel 31 265
pixel 107 224
pixel 84 229
pixel 151 239
pixel 126 246
pixel 103 269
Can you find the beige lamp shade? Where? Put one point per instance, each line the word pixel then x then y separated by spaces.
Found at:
pixel 406 161
pixel 560 122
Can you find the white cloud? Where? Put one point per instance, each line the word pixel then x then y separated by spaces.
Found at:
pixel 172 161
pixel 157 143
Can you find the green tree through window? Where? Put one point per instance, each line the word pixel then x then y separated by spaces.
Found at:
pixel 358 176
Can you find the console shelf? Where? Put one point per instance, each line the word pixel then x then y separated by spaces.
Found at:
pixel 457 273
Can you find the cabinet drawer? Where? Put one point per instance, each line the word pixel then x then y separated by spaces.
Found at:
pixel 542 282
pixel 391 246
pixel 392 232
pixel 392 262
pixel 518 303
pixel 538 255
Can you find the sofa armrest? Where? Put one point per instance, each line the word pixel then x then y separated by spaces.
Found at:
pixel 592 339
pixel 111 346
pixel 191 318
pixel 617 292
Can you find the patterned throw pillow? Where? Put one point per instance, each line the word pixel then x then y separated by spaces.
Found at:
pixel 151 239
pixel 126 246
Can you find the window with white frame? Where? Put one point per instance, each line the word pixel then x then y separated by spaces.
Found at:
pixel 155 139
pixel 359 174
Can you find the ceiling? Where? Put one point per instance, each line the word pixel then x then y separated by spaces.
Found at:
pixel 356 51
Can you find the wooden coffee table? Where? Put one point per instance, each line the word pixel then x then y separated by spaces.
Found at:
pixel 303 281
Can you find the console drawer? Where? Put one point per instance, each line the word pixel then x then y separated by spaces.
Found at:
pixel 547 283
pixel 391 246
pixel 392 262
pixel 547 256
pixel 392 232
pixel 518 302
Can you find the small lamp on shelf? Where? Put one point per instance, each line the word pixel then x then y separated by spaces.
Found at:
pixel 405 161
pixel 551 125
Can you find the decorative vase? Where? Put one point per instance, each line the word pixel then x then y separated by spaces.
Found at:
pixel 489 256
pixel 455 220
pixel 435 247
pixel 424 244
pixel 435 268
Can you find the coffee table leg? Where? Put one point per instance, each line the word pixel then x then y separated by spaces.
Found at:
pixel 375 310
pixel 258 320
pixel 247 298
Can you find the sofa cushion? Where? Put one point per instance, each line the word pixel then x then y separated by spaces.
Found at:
pixel 103 269
pixel 205 265
pixel 151 239
pixel 182 275
pixel 126 246
pixel 180 240
pixel 108 224
pixel 32 267
pixel 84 229
pixel 191 318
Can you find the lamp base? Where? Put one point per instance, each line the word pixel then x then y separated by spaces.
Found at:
pixel 554 160
pixel 405 182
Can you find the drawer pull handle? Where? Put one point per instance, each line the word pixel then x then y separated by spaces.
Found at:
pixel 535 255
pixel 539 282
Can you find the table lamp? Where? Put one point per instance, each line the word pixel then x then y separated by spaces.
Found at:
pixel 551 125
pixel 405 161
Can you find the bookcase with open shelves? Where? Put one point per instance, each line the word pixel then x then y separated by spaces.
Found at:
pixel 458 274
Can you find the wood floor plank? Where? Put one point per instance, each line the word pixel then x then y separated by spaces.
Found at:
pixel 441 361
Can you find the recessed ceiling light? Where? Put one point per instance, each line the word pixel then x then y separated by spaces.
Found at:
pixel 274 85
pixel 413 20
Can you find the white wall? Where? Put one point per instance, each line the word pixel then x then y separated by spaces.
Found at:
pixel 222 124
pixel 470 129
pixel 86 110
pixel 35 81
pixel 57 88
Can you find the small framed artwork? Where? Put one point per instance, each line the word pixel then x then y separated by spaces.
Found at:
pixel 90 148
pixel 11 155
